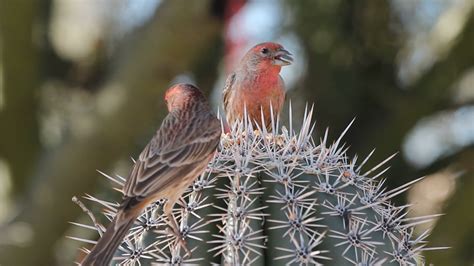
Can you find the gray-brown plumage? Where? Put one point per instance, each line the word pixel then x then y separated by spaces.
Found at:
pixel 179 152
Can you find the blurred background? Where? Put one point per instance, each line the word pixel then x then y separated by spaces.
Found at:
pixel 82 82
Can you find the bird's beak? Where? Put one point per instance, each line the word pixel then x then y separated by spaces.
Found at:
pixel 282 58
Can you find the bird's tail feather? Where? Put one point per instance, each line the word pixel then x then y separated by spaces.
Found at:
pixel 104 250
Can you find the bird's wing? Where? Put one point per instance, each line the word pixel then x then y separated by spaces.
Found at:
pixel 172 154
pixel 229 83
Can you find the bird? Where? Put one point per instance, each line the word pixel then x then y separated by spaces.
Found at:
pixel 179 152
pixel 256 84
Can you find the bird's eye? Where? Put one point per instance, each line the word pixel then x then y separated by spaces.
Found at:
pixel 264 50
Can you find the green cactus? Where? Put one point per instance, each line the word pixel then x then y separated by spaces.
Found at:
pixel 276 198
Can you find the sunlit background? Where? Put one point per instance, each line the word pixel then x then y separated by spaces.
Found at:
pixel 81 86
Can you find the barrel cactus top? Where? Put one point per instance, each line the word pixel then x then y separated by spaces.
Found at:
pixel 277 198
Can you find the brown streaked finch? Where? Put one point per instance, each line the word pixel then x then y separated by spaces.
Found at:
pixel 256 84
pixel 179 152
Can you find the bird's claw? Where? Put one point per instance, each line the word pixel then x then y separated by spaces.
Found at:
pixel 186 249
pixel 180 240
pixel 173 226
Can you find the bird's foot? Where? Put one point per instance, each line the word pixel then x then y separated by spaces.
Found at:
pixel 184 245
pixel 180 237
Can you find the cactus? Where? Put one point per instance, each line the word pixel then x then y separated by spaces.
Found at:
pixel 279 197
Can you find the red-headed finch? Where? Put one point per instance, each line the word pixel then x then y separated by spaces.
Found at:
pixel 256 83
pixel 179 152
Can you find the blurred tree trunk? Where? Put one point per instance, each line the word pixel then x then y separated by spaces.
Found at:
pixel 178 39
pixel 19 142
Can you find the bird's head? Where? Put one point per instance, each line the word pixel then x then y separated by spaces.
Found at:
pixel 183 95
pixel 267 56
